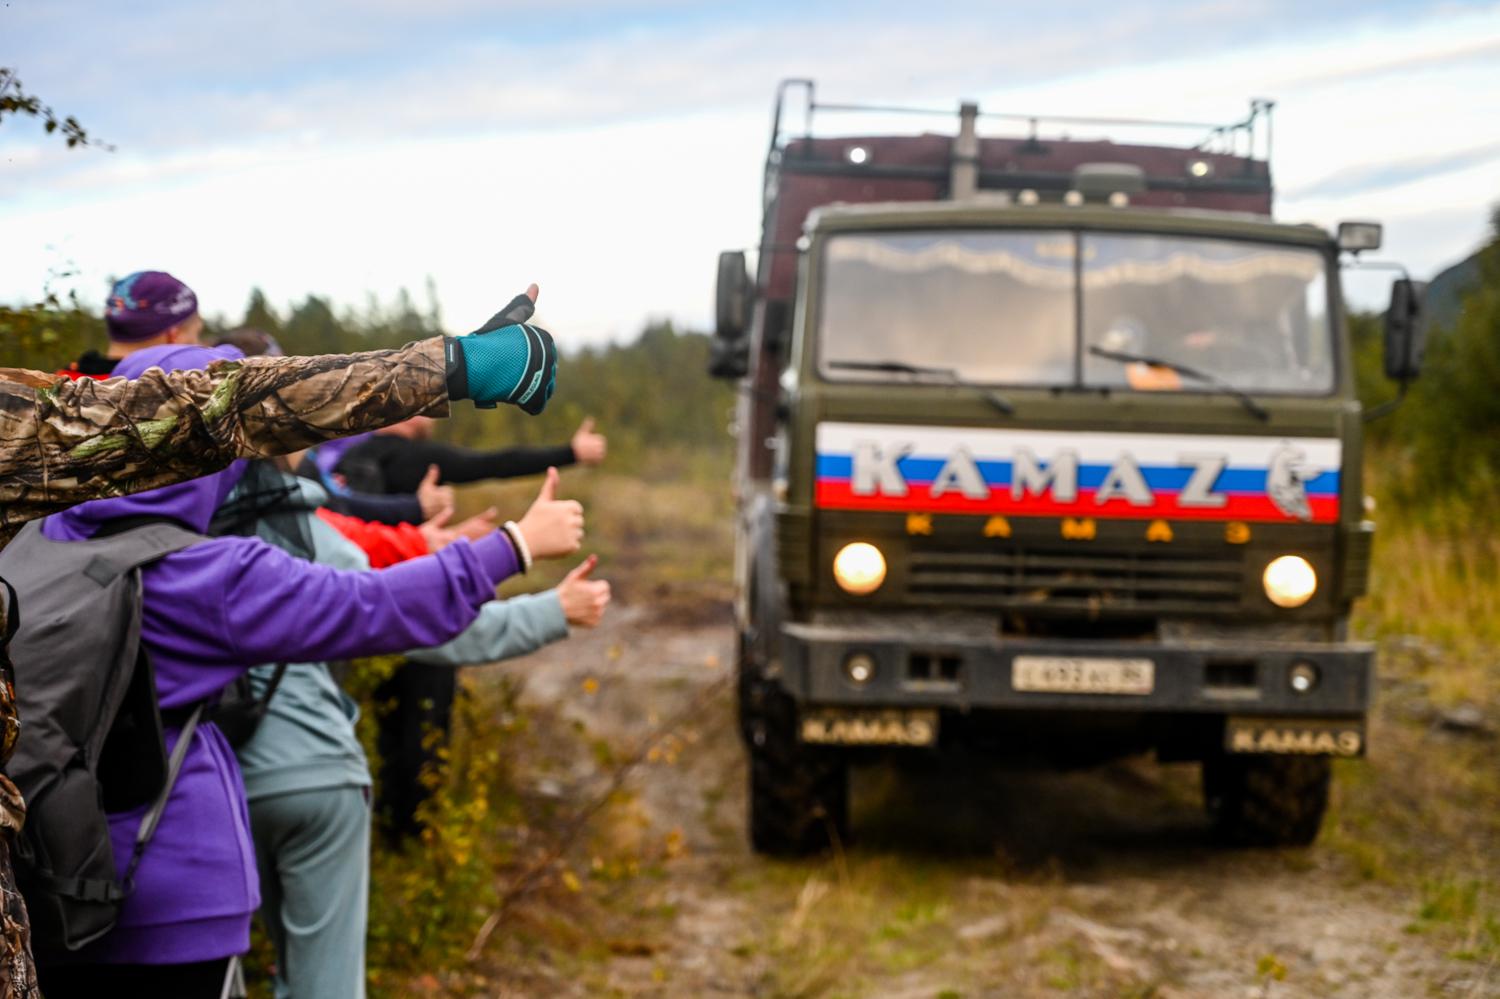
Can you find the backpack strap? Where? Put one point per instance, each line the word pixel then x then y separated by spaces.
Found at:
pixel 84 889
pixel 10 612
pixel 151 538
pixel 153 816
pixel 264 704
pixel 257 711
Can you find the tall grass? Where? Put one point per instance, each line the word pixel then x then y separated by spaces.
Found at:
pixel 1422 812
pixel 1434 600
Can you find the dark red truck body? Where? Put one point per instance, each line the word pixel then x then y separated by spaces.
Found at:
pixel 806 173
pixel 815 172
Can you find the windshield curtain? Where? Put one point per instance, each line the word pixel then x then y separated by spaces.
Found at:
pixel 1003 307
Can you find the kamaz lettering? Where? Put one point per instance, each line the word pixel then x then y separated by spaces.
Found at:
pixel 1041 473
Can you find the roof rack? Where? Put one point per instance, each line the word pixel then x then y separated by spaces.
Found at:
pixel 1220 138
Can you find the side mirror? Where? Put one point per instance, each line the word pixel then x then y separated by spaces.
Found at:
pixel 732 296
pixel 1405 332
pixel 729 358
pixel 729 355
pixel 1356 237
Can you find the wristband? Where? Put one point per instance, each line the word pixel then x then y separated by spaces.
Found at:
pixel 518 541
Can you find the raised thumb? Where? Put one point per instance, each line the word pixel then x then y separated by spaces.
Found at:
pixel 431 478
pixel 549 487
pixel 587 426
pixel 583 569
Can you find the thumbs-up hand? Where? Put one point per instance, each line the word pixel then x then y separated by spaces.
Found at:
pixel 588 447
pixel 436 532
pixel 433 498
pixel 505 360
pixel 552 527
pixel 583 599
pixel 478 525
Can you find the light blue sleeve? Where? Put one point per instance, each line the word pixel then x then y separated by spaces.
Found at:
pixel 504 629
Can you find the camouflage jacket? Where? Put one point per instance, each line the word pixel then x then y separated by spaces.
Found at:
pixel 63 442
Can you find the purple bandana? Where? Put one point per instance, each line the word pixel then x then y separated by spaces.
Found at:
pixel 144 304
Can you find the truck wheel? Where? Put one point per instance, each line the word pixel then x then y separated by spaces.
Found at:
pixel 799 795
pixel 1258 800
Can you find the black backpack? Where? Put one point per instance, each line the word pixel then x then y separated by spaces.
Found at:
pixel 91 729
pixel 91 737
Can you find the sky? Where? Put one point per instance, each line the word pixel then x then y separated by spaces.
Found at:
pixel 609 149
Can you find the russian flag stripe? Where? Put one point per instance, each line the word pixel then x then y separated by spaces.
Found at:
pixel 998 475
pixel 1262 478
pixel 837 496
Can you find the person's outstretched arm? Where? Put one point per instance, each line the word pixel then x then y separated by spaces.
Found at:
pixel 503 630
pixel 404 461
pixel 407 463
pixel 63 442
pixel 384 544
pixel 520 625
pixel 393 511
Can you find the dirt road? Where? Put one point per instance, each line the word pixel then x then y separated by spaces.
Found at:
pixel 1100 883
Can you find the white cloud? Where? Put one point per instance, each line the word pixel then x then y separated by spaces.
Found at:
pixel 612 168
pixel 616 223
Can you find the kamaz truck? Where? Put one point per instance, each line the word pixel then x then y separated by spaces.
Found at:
pixel 1048 448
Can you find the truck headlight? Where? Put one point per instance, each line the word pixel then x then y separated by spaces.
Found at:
pixel 859 568
pixel 1290 581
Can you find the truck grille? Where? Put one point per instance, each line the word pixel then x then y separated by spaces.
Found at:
pixel 1069 580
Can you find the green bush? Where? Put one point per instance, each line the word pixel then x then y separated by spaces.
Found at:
pixel 1452 419
pixel 46 335
pixel 1442 441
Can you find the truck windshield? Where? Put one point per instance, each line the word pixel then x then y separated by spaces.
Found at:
pixel 1003 307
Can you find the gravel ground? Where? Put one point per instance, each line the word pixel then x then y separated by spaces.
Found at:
pixel 958 884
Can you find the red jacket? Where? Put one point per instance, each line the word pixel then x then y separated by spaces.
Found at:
pixel 91 365
pixel 383 543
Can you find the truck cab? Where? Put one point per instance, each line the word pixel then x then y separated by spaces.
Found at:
pixel 1048 449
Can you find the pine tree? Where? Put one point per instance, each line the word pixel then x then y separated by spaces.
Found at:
pixel 260 315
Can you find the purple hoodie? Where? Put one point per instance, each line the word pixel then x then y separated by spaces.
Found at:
pixel 210 612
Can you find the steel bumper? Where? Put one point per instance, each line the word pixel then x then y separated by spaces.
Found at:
pixel 917 669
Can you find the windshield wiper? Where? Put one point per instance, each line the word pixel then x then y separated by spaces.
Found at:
pixel 901 367
pixel 1126 357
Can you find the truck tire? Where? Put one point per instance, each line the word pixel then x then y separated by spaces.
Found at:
pixel 799 795
pixel 1260 800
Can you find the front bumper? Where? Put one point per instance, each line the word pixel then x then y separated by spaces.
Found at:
pixel 917 668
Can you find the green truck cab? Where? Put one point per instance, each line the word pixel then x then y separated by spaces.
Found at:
pixel 1048 450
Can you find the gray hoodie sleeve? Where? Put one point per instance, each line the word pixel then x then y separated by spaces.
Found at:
pixel 504 629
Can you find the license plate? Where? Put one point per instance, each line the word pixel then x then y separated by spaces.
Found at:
pixel 1295 736
pixel 857 727
pixel 1082 675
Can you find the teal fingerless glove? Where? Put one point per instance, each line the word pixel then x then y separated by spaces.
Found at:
pixel 504 361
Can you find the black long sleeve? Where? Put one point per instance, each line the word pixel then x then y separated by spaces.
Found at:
pixel 403 462
pixel 401 508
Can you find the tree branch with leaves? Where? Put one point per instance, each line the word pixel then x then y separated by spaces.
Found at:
pixel 14 100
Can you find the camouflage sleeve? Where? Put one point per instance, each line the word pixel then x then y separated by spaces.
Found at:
pixel 17 973
pixel 63 442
